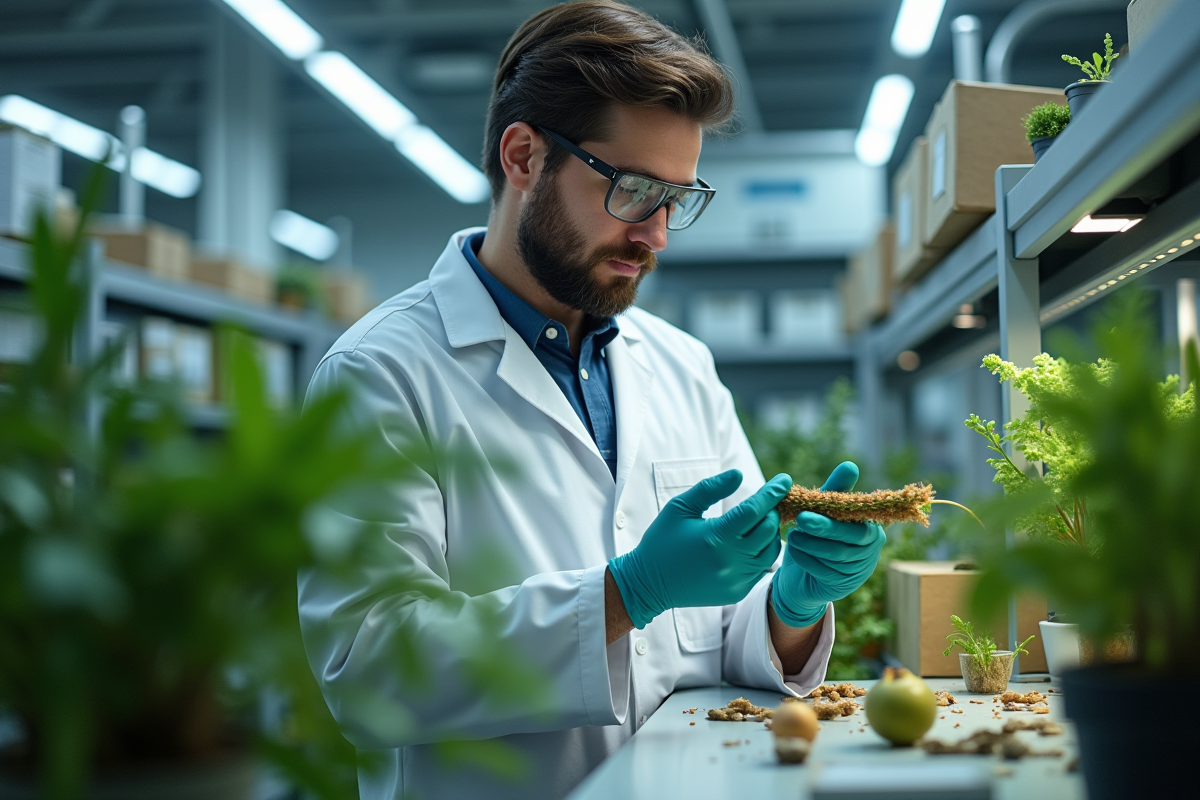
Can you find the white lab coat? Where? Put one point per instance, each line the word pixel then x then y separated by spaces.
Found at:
pixel 436 368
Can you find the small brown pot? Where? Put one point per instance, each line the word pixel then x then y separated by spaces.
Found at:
pixel 986 678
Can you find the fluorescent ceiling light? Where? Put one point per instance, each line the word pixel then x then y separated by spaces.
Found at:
pixel 282 26
pixel 317 241
pixel 442 162
pixel 155 170
pixel 164 174
pixel 1090 224
pixel 916 24
pixel 885 115
pixel 359 91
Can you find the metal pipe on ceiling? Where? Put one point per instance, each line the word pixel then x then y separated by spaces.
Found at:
pixel 1023 19
pixel 714 16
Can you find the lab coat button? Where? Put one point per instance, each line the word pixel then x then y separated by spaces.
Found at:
pixel 551 333
pixel 583 374
pixel 641 646
pixel 620 520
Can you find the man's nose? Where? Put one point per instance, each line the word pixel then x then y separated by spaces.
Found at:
pixel 651 233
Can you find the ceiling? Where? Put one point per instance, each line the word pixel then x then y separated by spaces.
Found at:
pixel 810 65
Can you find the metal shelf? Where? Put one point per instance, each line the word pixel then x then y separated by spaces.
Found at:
pixel 771 353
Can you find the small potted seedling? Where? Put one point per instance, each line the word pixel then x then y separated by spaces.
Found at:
pixel 1043 125
pixel 985 669
pixel 1096 74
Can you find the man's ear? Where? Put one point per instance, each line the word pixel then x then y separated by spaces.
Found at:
pixel 522 153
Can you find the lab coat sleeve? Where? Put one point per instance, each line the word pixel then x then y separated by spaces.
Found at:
pixel 749 657
pixel 357 627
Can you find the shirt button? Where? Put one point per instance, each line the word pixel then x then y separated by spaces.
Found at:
pixel 551 333
pixel 583 374
pixel 641 646
pixel 620 519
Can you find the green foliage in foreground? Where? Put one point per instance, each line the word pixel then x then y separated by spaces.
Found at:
pixel 1048 119
pixel 1099 68
pixel 982 646
pixel 148 577
pixel 1139 483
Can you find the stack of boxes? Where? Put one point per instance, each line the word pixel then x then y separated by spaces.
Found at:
pixel 943 190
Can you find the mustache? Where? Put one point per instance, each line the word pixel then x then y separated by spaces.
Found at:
pixel 631 254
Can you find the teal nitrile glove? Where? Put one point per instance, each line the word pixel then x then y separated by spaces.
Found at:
pixel 824 560
pixel 684 560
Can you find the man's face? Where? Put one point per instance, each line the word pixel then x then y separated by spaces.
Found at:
pixel 581 255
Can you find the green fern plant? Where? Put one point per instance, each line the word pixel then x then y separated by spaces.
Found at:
pixel 1048 119
pixel 1099 68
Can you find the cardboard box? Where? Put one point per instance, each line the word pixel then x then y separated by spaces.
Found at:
pixel 234 277
pixel 871 272
pixel 1141 16
pixel 975 128
pixel 911 258
pixel 853 316
pixel 345 294
pixel 30 172
pixel 921 597
pixel 159 250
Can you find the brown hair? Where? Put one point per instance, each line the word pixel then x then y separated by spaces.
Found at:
pixel 567 65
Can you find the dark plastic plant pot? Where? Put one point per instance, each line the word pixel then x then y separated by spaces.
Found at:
pixel 1117 748
pixel 1040 145
pixel 1079 92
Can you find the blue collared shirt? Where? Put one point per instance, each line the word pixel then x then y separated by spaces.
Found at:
pixel 586 382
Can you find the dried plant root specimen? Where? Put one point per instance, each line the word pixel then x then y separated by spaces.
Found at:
pixel 1016 697
pixel 885 506
pixel 827 708
pixel 944 698
pixel 837 692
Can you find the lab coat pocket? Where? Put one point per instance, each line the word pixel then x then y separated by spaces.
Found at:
pixel 677 475
pixel 698 629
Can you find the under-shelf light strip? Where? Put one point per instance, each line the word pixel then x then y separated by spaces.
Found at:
pixel 373 104
pixel 1109 281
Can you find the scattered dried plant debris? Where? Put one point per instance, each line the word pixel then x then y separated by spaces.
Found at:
pixel 832 709
pixel 1044 727
pixel 1003 743
pixel 837 691
pixel 691 723
pixel 976 702
pixel 957 711
pixel 1016 697
pixel 1037 708
pixel 740 710
pixel 689 711
pixel 944 698
pixel 732 743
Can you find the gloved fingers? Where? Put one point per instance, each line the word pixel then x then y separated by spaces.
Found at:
pixel 765 558
pixel 748 513
pixel 842 479
pixel 834 573
pixel 696 500
pixel 831 550
pixel 860 533
pixel 763 535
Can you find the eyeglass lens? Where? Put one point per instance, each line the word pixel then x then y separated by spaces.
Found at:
pixel 634 197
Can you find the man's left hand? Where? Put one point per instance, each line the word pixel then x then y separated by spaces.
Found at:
pixel 825 560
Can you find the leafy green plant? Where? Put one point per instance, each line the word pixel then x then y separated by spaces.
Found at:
pixel 1048 119
pixel 1139 482
pixel 981 646
pixel 148 577
pixel 1062 450
pixel 1099 67
pixel 299 284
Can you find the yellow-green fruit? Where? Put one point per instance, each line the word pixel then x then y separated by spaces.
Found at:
pixel 901 707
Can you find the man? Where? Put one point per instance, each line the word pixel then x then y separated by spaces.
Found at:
pixel 632 499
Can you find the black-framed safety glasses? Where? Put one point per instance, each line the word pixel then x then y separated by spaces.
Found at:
pixel 636 198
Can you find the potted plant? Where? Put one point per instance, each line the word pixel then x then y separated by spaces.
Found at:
pixel 148 576
pixel 1043 124
pixel 298 286
pixel 1139 483
pixel 1095 72
pixel 985 669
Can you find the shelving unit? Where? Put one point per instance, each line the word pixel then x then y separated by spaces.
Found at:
pixel 1024 255
pixel 116 286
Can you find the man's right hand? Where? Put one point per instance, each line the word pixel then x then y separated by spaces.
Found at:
pixel 684 560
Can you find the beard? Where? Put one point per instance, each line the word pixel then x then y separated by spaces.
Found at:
pixel 550 245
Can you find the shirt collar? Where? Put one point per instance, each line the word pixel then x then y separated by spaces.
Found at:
pixel 527 321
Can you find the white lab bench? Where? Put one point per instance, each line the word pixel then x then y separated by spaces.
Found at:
pixel 671 758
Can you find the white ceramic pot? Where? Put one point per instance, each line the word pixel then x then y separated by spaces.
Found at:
pixel 1061 643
